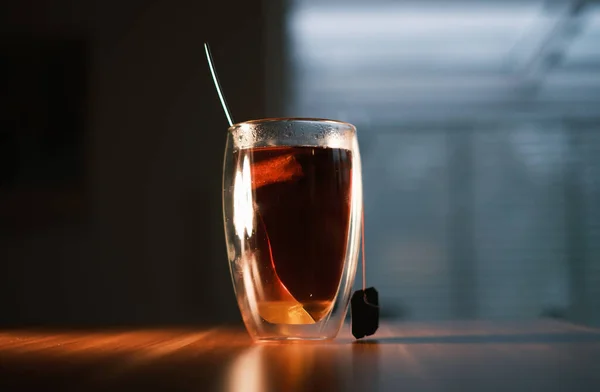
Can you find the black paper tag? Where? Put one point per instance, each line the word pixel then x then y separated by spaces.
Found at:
pixel 365 312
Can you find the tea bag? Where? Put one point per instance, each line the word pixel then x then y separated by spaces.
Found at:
pixel 275 303
pixel 365 312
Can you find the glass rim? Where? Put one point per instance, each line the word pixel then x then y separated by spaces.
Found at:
pixel 267 120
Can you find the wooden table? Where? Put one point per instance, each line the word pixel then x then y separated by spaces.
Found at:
pixel 451 356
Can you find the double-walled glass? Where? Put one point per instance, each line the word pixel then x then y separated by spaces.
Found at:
pixel 292 205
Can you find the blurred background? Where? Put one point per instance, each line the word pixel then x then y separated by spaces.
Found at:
pixel 479 127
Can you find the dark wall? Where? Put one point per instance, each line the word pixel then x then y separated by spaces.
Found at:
pixel 136 237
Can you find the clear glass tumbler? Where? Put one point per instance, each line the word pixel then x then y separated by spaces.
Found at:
pixel 292 208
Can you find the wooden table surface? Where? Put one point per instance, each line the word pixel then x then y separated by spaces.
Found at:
pixel 451 356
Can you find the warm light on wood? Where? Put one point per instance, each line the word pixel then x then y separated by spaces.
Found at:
pixel 404 356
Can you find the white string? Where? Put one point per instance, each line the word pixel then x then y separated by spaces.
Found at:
pixel 217 84
pixel 364 269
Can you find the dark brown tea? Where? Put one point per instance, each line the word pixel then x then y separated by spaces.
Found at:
pixel 301 198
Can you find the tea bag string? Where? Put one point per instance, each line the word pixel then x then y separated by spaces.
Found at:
pixel 364 263
pixel 362 237
pixel 230 121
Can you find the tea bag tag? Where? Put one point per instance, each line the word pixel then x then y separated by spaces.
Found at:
pixel 365 312
pixel 364 304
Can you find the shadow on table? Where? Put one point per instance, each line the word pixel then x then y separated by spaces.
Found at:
pixel 579 337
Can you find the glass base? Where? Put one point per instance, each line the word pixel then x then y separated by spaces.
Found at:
pixel 264 331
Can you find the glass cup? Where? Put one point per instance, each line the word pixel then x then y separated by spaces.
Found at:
pixel 292 205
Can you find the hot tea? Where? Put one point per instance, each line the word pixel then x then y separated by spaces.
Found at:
pixel 301 198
